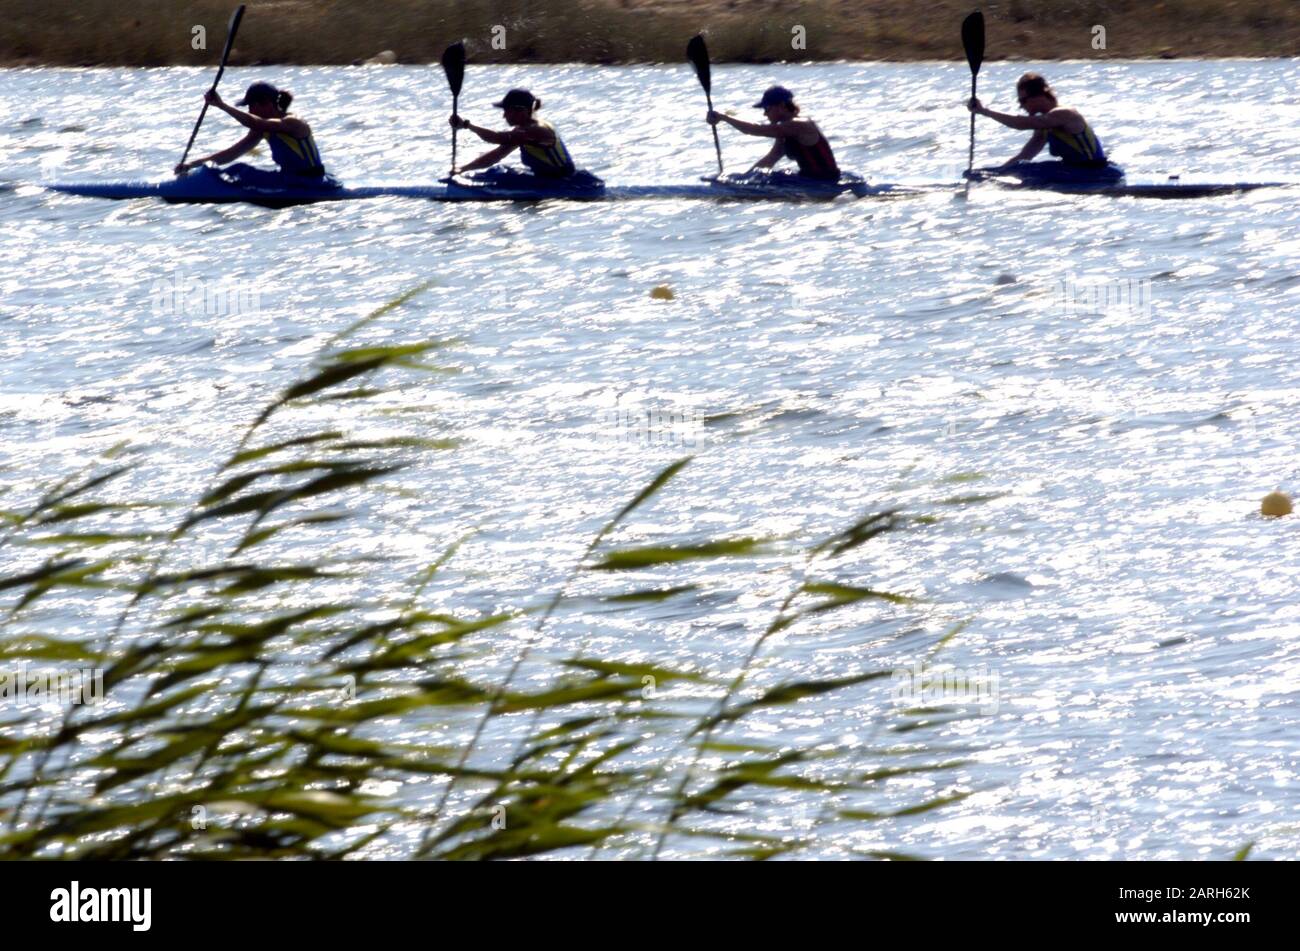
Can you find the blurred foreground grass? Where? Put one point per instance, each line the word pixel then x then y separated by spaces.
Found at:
pixel 158 32
pixel 270 692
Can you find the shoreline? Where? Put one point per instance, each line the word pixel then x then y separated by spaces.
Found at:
pixel 260 64
pixel 29 63
pixel 81 33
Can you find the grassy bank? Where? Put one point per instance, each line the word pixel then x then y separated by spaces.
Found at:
pixel 159 32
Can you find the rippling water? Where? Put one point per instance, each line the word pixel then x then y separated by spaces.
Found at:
pixel 1115 379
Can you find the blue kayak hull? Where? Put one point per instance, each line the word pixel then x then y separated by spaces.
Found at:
pixel 190 190
pixel 1109 180
pixel 207 187
pixel 181 192
pixel 790 186
pixel 507 184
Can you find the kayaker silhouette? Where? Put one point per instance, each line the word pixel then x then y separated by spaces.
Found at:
pixel 292 146
pixel 1079 154
pixel 540 147
pixel 797 139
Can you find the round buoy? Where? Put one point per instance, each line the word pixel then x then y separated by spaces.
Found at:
pixel 662 292
pixel 1275 505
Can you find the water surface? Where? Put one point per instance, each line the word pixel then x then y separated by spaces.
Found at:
pixel 1117 377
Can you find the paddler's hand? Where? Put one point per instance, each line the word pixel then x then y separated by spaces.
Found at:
pixel 459 122
pixel 713 118
pixel 975 106
pixel 184 167
pixel 212 98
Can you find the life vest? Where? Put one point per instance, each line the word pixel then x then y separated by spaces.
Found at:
pixel 295 156
pixel 1076 148
pixel 815 161
pixel 552 160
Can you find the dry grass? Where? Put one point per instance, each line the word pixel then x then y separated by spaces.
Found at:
pixel 158 32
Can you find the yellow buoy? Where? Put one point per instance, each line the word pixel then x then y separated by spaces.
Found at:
pixel 1275 505
pixel 662 292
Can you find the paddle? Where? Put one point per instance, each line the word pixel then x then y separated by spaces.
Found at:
pixel 698 54
pixel 225 55
pixel 972 38
pixel 453 64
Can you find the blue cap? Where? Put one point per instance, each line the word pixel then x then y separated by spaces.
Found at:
pixel 516 99
pixel 773 96
pixel 259 92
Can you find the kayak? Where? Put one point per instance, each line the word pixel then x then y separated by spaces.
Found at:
pixel 1061 173
pixel 1110 180
pixel 209 186
pixel 497 184
pixel 790 186
pixel 211 189
pixel 508 184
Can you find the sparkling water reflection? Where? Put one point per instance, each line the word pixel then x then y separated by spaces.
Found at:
pixel 1115 379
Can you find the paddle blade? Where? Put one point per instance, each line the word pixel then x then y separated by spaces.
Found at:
pixel 453 64
pixel 231 29
pixel 972 38
pixel 698 54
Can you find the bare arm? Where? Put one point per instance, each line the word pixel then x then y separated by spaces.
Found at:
pixel 225 155
pixel 771 130
pixel 295 127
pixel 1016 122
pixel 1032 147
pixel 487 135
pixel 487 159
pixel 1066 119
pixel 531 135
pixel 772 157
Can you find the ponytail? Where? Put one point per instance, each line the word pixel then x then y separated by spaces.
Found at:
pixel 283 100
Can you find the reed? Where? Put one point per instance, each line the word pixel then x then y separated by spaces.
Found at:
pixel 264 695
